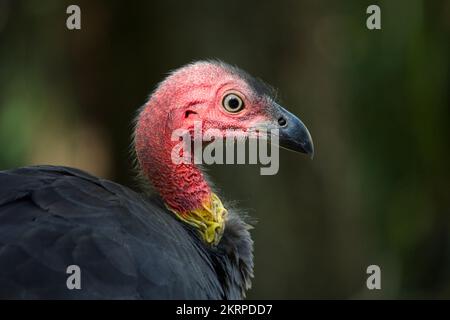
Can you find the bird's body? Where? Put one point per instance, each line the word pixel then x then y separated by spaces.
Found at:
pixel 127 245
pixel 180 243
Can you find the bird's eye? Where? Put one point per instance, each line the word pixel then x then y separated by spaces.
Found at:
pixel 233 103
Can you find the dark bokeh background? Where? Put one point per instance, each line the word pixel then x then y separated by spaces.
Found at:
pixel 376 103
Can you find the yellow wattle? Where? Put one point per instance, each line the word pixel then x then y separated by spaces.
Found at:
pixel 209 219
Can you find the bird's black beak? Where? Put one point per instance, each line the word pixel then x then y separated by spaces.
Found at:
pixel 293 134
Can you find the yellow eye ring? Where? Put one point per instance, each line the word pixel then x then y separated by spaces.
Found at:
pixel 232 103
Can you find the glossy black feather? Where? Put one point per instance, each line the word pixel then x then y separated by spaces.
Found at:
pixel 127 245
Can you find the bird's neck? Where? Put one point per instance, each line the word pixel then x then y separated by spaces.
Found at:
pixel 182 186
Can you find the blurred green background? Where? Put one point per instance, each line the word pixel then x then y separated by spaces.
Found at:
pixel 376 103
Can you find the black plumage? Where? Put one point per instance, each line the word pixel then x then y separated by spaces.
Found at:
pixel 128 245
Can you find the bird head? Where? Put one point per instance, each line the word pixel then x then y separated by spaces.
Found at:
pixel 224 98
pixel 219 97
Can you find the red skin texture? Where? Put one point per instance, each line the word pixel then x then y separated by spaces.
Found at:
pixel 199 88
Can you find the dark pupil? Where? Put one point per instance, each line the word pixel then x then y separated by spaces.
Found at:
pixel 233 103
